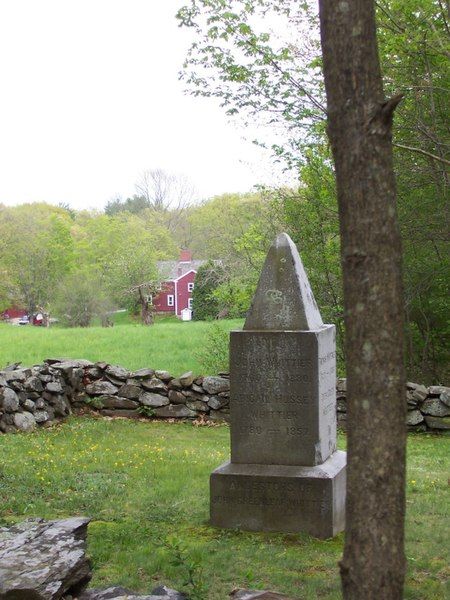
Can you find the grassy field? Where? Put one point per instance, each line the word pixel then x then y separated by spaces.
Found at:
pixel 145 486
pixel 169 344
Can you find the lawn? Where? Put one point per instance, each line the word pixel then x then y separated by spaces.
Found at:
pixel 170 344
pixel 145 486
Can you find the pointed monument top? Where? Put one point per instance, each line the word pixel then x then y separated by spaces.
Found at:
pixel 283 298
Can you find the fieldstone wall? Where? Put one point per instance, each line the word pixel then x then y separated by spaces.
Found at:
pixel 44 394
pixel 428 407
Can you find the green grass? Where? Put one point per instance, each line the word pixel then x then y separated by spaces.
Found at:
pixel 145 486
pixel 170 344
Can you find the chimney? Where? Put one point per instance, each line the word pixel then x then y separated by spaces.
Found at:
pixel 185 256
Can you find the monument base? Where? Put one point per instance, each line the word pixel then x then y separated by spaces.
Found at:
pixel 280 498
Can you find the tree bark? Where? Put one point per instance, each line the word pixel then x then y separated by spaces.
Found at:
pixel 146 312
pixel 360 131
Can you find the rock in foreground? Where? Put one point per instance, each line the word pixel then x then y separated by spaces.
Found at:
pixel 43 560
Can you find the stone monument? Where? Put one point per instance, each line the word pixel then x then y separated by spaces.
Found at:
pixel 285 473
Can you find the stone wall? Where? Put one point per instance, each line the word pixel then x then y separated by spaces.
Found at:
pixel 44 394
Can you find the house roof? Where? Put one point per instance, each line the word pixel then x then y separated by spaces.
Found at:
pixel 174 269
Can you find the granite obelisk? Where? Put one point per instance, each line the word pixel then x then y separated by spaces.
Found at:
pixel 285 473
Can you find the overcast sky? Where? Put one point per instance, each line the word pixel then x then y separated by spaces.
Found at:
pixel 90 97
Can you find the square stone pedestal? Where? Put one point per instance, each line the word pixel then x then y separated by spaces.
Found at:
pixel 280 498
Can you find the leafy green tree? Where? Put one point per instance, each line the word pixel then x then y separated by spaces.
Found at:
pixel 79 299
pixel 275 77
pixel 207 279
pixel 37 252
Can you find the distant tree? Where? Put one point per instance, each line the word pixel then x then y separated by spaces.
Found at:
pixel 36 252
pixel 79 299
pixel 134 205
pixel 205 305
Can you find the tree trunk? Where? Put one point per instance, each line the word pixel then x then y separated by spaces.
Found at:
pixel 146 312
pixel 360 129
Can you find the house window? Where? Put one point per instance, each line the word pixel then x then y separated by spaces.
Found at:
pixel 170 300
pixel 190 302
pixel 190 287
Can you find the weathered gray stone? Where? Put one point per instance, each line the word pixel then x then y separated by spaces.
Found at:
pixel 285 473
pixel 29 405
pixel 435 408
pixel 41 416
pixel 175 384
pixel 120 413
pixel 117 402
pixel 176 397
pixel 420 393
pixel 216 402
pixel 442 391
pixel 341 385
pixel 197 405
pixel 9 400
pixel 69 364
pixel 437 422
pixel 241 594
pixel 18 375
pixel 130 391
pixel 164 376
pixel 188 393
pixel 186 379
pixel 42 560
pixel 39 404
pixel 215 385
pixel 61 406
pixel 176 411
pixel 341 404
pixel 153 400
pixel 414 417
pixel 119 593
pixel 154 385
pixel 54 387
pixel 24 421
pixel 101 388
pixel 117 372
pixel 437 390
pixel 33 384
pixel 143 374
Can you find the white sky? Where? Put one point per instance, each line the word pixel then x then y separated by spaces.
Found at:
pixel 90 97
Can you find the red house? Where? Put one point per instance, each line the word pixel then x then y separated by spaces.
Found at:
pixel 179 281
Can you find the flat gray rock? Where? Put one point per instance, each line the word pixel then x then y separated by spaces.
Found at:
pixel 119 593
pixel 153 400
pixel 130 391
pixel 215 385
pixel 43 560
pixel 241 594
pixel 177 411
pixel 435 408
pixel 101 388
pixel 117 372
pixel 143 374
pixel 154 385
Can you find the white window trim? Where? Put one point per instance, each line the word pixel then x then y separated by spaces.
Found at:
pixel 191 286
pixel 170 300
pixel 190 303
